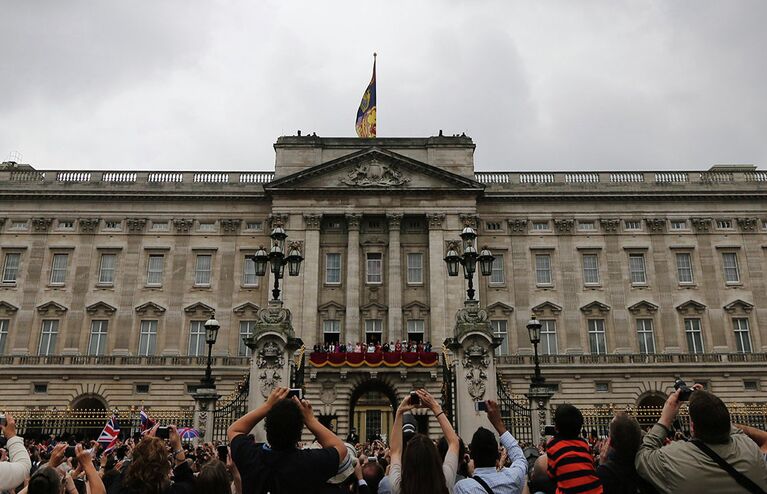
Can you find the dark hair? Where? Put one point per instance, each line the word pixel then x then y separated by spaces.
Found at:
pixel 213 477
pixel 710 417
pixel 483 448
pixel 373 473
pixel 625 435
pixel 284 424
pixel 422 468
pixel 463 467
pixel 45 481
pixel 568 421
pixel 149 468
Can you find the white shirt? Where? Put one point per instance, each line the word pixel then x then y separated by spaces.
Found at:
pixel 14 471
pixel 508 481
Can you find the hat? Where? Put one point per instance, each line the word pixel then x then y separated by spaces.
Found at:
pixel 409 427
pixel 346 467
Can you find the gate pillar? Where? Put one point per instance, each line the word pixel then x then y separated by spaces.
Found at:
pixel 273 344
pixel 475 376
pixel 205 401
pixel 539 397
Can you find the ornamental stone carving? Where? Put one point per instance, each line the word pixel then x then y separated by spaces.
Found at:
pixel 374 173
pixel 469 219
pixel 475 363
pixel 230 225
pixel 353 221
pixel 269 362
pixel 135 225
pixel 564 225
pixel 701 225
pixel 747 224
pixel 275 219
pixel 328 393
pixel 656 225
pixel 89 225
pixel 517 226
pixel 610 225
pixel 312 221
pixel 435 220
pixel 183 225
pixel 41 224
pixel 395 220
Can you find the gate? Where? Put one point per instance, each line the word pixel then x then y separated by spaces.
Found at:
pixel 516 416
pixel 297 370
pixel 225 415
pixel 448 391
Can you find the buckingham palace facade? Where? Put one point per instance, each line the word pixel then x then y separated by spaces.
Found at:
pixel 638 277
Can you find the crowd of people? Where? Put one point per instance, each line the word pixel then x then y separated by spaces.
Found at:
pixel 717 456
pixel 373 347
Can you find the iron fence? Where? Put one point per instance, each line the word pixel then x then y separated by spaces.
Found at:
pixel 230 410
pixel 448 391
pixel 514 412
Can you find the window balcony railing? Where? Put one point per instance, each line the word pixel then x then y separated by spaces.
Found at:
pixel 635 358
pixel 114 360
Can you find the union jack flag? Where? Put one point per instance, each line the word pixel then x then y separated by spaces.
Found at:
pixel 110 435
pixel 145 423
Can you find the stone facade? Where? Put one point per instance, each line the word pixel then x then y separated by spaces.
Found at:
pixel 107 276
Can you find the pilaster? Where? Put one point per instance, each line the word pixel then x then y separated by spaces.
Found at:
pixel 352 331
pixel 394 323
pixel 311 276
pixel 437 299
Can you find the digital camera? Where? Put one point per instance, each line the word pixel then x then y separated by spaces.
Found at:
pixel 686 391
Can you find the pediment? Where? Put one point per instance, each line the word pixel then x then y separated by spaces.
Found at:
pixel 374 305
pixel 52 307
pixel 416 304
pixel 247 306
pixel 331 305
pixel 7 307
pixel 738 305
pixel 596 306
pixel 100 306
pixel 643 305
pixel 373 169
pixel 542 307
pixel 505 309
pixel 156 309
pixel 691 306
pixel 200 307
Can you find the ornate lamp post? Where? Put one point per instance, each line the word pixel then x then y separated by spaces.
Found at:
pixel 277 259
pixel 534 329
pixel 468 259
pixel 211 334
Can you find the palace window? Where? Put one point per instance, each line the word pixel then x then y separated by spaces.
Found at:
pixel 154 269
pixel 333 268
pixel 586 226
pixel 597 343
pixel 493 226
pixel 645 335
pixel 724 224
pixel 203 269
pixel 66 225
pixel 742 334
pixel 679 224
pixel 107 269
pixel 98 341
pixel 548 337
pixel 373 330
pixel 590 269
pixel 147 341
pixel 500 330
pixel 632 225
pixel 541 226
pixel 415 330
pixel 196 339
pixel 112 225
pixel 637 269
pixel 543 270
pixel 331 330
pixel 415 268
pixel 730 264
pixel 249 277
pixel 207 227
pixel 59 269
pixel 254 226
pixel 3 334
pixel 19 225
pixel 11 267
pixel 684 268
pixel 48 334
pixel 246 329
pixel 160 226
pixel 374 263
pixel 694 334
pixel 497 275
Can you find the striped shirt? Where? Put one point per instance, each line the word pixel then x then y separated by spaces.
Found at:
pixel 571 466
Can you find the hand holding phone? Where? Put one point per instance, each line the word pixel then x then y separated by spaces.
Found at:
pixel 480 406
pixel 163 432
pixel 415 400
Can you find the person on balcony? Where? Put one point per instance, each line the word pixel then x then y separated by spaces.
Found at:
pixel 398 347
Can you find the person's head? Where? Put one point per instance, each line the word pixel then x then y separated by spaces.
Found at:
pixel 213 477
pixel 373 473
pixel 709 418
pixel 284 424
pixel 422 468
pixel 483 448
pixel 625 435
pixel 442 447
pixel 568 420
pixel 45 480
pixel 149 469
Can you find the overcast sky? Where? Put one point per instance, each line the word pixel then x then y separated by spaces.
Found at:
pixel 558 85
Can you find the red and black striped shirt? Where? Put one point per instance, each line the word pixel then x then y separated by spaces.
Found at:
pixel 571 466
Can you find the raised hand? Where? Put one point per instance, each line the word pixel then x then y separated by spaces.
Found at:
pixel 276 395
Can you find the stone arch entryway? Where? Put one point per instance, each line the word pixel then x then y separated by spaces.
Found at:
pixel 371 408
pixel 648 408
pixel 89 415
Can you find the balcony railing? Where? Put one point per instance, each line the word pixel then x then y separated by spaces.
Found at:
pixel 134 177
pixel 620 178
pixel 114 360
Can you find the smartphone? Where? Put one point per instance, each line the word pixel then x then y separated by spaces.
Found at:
pixel 372 459
pixel 549 430
pixel 3 421
pixel 480 406
pixel 223 452
pixel 297 392
pixel 414 398
pixel 69 452
pixel 163 432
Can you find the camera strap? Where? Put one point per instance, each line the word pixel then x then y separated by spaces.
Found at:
pixel 741 479
pixel 483 484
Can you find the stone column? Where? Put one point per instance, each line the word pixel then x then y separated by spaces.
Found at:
pixel 205 402
pixel 540 412
pixel 352 332
pixel 311 278
pixel 475 375
pixel 437 281
pixel 394 323
pixel 273 344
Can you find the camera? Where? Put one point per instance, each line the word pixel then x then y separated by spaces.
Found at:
pixel 686 391
pixel 69 452
pixel 3 420
pixel 372 459
pixel 297 392
pixel 549 430
pixel 163 432
pixel 414 399
pixel 480 406
pixel 223 452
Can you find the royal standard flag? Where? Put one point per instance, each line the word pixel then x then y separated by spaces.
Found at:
pixel 366 115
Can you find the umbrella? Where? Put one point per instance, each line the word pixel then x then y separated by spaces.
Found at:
pixel 188 432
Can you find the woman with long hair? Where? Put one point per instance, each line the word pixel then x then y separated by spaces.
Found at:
pixel 421 470
pixel 213 478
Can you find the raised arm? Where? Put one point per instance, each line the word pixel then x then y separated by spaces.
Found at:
pixel 395 439
pixel 247 422
pixel 14 471
pixel 85 460
pixel 324 436
pixel 757 435
pixel 516 455
pixel 453 442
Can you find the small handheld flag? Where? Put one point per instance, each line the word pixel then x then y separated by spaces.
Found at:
pixel 110 435
pixel 145 423
pixel 366 114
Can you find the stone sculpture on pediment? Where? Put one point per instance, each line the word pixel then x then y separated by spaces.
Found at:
pixel 517 225
pixel 269 362
pixel 89 225
pixel 564 225
pixel 701 225
pixel 610 225
pixel 656 225
pixel 747 224
pixel 374 173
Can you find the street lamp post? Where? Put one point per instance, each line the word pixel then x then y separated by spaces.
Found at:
pixel 534 329
pixel 211 334
pixel 468 259
pixel 277 259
